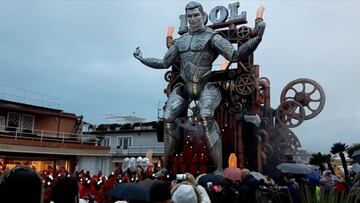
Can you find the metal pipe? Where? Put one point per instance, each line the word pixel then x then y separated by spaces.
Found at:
pixel 265 82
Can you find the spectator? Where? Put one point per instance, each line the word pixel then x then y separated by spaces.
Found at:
pixel 200 189
pixel 293 187
pixel 160 193
pixel 187 191
pixel 327 183
pixel 20 185
pixel 65 190
pixel 230 191
pixel 184 193
pixel 248 187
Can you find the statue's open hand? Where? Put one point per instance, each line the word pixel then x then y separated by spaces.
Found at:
pixel 260 11
pixel 137 53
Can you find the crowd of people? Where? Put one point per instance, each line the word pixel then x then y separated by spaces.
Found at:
pixel 23 184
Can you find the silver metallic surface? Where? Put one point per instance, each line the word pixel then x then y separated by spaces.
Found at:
pixel 218 14
pixel 216 154
pixel 211 131
pixel 209 100
pixel 171 139
pixel 175 104
pixel 234 11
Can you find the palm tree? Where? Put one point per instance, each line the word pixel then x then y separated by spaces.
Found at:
pixel 319 159
pixel 328 160
pixel 341 148
pixel 354 147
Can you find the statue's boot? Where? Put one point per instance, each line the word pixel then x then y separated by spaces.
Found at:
pixel 213 140
pixel 171 139
pixel 216 154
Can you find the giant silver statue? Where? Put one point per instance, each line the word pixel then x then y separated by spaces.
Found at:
pixel 198 49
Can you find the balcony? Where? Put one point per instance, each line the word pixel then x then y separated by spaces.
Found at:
pixel 16 133
pixel 139 150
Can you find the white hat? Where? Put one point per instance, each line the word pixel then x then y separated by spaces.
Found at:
pixel 138 161
pixel 132 164
pixel 184 194
pixel 125 164
pixel 144 163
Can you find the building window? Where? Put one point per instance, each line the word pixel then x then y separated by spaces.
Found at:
pixel 2 123
pixel 13 121
pixel 21 122
pixel 106 142
pixel 124 142
pixel 27 123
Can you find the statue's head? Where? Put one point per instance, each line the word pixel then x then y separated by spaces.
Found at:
pixel 196 16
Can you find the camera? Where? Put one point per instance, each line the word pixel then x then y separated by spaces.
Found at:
pixel 209 185
pixel 181 176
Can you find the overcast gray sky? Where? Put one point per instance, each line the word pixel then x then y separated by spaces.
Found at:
pixel 81 51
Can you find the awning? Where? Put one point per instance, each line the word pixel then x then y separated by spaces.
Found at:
pixel 53 151
pixel 121 159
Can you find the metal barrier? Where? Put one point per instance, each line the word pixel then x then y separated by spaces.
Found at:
pixel 45 135
pixel 139 150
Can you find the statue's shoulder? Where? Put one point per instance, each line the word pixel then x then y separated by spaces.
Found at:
pixel 184 36
pixel 210 31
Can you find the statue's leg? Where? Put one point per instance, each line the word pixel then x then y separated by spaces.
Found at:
pixel 210 98
pixel 175 105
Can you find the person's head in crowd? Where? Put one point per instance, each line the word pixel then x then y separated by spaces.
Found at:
pixel 160 193
pixel 245 172
pixel 184 194
pixel 21 184
pixel 65 190
pixel 327 173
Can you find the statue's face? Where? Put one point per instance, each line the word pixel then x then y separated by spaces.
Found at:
pixel 195 19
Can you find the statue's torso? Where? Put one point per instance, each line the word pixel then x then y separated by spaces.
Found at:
pixel 196 56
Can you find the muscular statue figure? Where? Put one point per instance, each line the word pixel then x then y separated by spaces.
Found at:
pixel 197 50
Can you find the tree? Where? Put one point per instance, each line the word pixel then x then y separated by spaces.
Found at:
pixel 319 159
pixel 341 148
pixel 328 162
pixel 354 147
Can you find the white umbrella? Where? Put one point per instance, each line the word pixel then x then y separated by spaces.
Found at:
pixel 356 168
pixel 257 175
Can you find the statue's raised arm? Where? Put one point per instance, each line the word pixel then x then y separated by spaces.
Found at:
pixel 155 62
pixel 226 49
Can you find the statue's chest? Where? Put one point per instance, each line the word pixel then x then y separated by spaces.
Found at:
pixel 194 43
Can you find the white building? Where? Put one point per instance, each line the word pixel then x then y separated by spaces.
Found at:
pixel 302 156
pixel 128 141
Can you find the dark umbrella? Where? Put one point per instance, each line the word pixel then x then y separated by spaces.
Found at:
pixel 294 168
pixel 215 179
pixel 314 177
pixel 130 191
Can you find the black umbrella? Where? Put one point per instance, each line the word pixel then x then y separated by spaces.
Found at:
pixel 130 191
pixel 294 168
pixel 215 179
